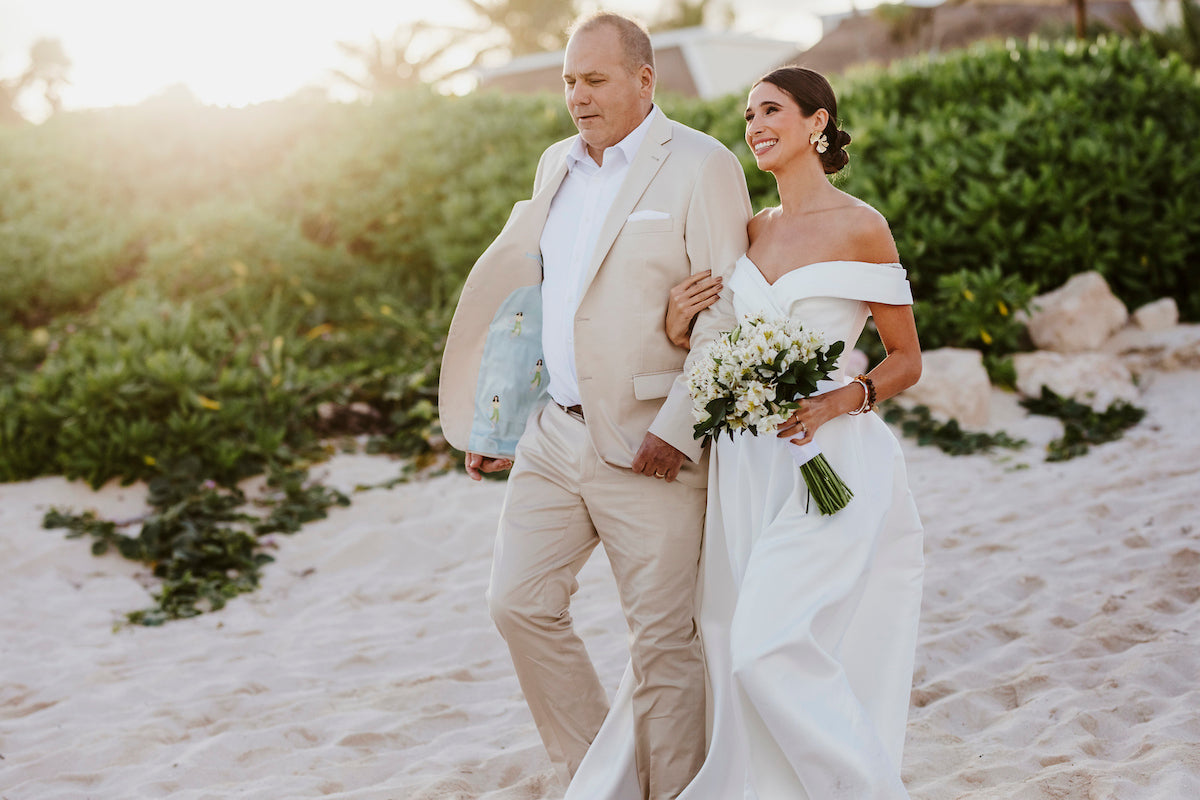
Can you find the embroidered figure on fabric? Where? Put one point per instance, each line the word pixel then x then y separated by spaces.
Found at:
pixel 495 410
pixel 518 318
pixel 536 383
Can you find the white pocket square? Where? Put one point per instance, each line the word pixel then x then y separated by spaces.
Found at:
pixel 640 216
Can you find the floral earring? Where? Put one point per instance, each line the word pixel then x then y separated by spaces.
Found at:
pixel 818 138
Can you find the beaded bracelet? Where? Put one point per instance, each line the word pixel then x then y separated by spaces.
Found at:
pixel 868 403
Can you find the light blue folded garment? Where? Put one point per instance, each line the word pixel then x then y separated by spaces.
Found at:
pixel 512 376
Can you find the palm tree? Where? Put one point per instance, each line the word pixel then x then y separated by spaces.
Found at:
pixel 10 88
pixel 48 65
pixel 402 61
pixel 688 14
pixel 1080 18
pixel 529 26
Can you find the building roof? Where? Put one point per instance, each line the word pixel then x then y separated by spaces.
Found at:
pixel 872 38
pixel 695 62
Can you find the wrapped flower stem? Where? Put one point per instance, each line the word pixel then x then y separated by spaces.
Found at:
pixel 830 491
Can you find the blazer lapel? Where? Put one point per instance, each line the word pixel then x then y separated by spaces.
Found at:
pixel 646 164
pixel 533 218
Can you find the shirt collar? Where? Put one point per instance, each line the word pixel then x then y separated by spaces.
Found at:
pixel 628 146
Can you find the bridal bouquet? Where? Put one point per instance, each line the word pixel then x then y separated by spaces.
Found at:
pixel 749 379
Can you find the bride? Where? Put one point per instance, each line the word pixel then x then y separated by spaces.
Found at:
pixel 808 621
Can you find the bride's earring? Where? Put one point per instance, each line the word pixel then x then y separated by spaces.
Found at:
pixel 818 138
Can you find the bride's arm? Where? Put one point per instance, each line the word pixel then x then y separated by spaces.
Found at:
pixel 898 332
pixel 898 371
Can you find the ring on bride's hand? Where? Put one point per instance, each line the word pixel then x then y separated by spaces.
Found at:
pixel 803 430
pixel 660 474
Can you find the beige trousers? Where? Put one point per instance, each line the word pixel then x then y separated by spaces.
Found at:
pixel 562 499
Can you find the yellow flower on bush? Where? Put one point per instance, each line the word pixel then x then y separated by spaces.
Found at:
pixel 1003 309
pixel 319 330
pixel 150 460
pixel 967 293
pixel 210 404
pixel 985 336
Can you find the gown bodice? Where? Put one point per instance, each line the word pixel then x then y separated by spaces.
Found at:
pixel 829 296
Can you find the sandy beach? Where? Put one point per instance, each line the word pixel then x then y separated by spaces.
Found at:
pixel 1059 654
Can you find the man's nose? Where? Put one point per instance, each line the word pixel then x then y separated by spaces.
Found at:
pixel 578 95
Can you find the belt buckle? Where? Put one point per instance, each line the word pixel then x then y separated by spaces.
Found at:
pixel 575 411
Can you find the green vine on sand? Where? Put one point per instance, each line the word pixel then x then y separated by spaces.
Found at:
pixel 918 423
pixel 198 541
pixel 1082 426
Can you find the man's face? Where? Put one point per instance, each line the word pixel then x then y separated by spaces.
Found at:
pixel 605 100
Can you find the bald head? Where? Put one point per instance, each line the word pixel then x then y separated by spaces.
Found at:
pixel 634 40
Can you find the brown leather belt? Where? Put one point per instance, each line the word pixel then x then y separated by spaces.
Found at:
pixel 574 411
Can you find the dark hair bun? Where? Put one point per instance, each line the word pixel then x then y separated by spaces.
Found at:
pixel 835 157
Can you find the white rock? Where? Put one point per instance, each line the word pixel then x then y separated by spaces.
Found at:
pixel 954 385
pixel 1175 348
pixel 1157 316
pixel 1076 317
pixel 1096 379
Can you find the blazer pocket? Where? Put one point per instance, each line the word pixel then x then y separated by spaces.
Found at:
pixel 634 227
pixel 653 385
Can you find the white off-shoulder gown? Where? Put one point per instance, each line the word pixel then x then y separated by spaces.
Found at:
pixel 809 622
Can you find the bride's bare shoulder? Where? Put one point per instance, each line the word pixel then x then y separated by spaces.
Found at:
pixel 760 221
pixel 867 235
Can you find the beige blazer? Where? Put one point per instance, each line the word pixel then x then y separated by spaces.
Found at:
pixel 630 375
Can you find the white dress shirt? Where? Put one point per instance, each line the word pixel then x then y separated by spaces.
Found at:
pixel 568 244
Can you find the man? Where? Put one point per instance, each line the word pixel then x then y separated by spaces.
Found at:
pixel 620 213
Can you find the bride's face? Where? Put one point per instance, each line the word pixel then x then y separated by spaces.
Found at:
pixel 776 129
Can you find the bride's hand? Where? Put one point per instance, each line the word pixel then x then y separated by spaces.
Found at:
pixel 687 300
pixel 815 411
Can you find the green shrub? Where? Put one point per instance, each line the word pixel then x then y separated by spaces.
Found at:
pixel 1042 160
pixel 204 281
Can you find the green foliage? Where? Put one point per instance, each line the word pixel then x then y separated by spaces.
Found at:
pixel 146 382
pixel 197 541
pixel 918 423
pixel 1082 426
pixel 272 272
pixel 976 308
pixel 1040 160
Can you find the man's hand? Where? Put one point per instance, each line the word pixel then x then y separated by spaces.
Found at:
pixel 477 464
pixel 657 459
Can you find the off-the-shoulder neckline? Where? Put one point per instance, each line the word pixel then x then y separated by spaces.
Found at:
pixel 794 270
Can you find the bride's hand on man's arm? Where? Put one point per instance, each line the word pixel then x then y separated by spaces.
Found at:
pixel 688 299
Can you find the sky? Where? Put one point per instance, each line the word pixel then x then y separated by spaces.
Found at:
pixel 237 52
